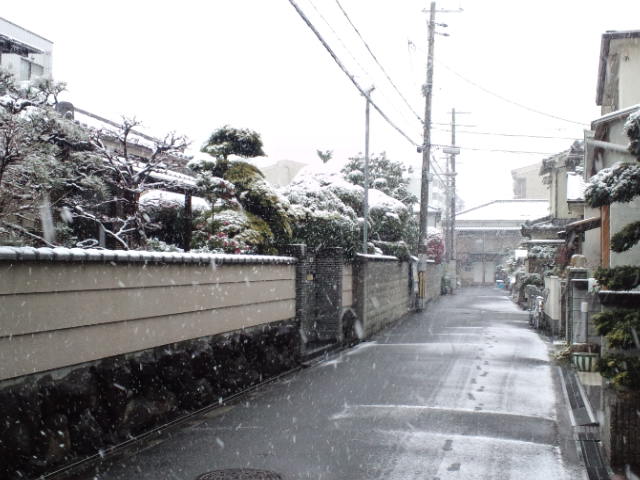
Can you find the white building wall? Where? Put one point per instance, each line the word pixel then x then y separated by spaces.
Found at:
pixel 552 306
pixel 621 215
pixel 591 245
pixel 12 61
pixel 628 51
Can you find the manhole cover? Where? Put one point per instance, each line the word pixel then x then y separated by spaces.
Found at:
pixel 240 474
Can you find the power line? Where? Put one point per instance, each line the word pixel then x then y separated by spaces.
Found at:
pixel 346 72
pixel 378 63
pixel 500 134
pixel 340 40
pixel 364 70
pixel 478 149
pixel 505 99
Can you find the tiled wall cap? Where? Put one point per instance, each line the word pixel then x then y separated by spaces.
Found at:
pixel 61 254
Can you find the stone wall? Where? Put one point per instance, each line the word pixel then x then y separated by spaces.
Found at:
pixel 52 419
pixel 382 291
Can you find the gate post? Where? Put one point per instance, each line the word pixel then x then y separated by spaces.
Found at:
pixel 304 292
pixel 329 268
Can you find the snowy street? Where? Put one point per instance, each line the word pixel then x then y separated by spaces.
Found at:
pixel 463 390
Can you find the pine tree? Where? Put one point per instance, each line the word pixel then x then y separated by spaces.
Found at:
pixel 619 326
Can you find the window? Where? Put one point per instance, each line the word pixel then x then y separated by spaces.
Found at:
pixel 29 70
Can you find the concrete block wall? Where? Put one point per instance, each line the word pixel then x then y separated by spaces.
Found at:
pixel 435 272
pixel 383 283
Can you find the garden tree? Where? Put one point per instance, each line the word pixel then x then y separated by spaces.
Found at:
pixel 327 211
pixel 59 185
pixel 227 141
pixel 127 178
pixel 47 163
pixel 386 175
pixel 620 327
pixel 247 214
pixel 389 223
pixel 620 184
pixel 325 155
pixel 322 209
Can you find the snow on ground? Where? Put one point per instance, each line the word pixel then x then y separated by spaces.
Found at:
pixel 464 457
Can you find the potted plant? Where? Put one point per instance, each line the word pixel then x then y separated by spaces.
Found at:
pixel 585 356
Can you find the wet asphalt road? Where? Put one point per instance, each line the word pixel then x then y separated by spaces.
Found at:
pixel 463 390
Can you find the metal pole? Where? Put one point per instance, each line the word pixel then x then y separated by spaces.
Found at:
pixel 426 147
pixel 365 226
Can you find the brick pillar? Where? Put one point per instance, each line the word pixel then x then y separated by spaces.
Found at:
pixel 360 289
pixel 329 267
pixel 304 291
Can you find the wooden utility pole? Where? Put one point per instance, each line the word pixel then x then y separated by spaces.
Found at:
pixel 426 147
pixel 365 225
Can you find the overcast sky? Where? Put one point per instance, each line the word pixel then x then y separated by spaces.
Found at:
pixel 193 66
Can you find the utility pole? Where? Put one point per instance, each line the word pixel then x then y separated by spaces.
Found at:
pixel 452 207
pixel 365 226
pixel 452 150
pixel 426 147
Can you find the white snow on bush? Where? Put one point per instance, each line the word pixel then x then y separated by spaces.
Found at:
pixel 381 201
pixel 161 197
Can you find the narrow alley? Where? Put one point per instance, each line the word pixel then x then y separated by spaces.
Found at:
pixel 463 390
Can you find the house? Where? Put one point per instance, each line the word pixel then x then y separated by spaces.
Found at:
pixel 562 174
pixel 618 95
pixel 25 54
pixel 487 234
pixel 528 184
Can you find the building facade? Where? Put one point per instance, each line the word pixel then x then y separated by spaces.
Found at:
pixel 24 54
pixel 486 235
pixel 527 183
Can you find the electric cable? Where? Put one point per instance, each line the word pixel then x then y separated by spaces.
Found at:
pixel 378 63
pixel 348 74
pixel 505 99
pixel 501 134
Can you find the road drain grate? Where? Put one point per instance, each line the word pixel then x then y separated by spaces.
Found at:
pixel 240 474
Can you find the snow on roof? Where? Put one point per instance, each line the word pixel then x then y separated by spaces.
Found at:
pixel 491 228
pixel 157 197
pixel 543 241
pixel 615 115
pixel 513 209
pixel 575 187
pixel 110 127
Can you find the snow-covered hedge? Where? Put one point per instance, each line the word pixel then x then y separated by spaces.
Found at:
pixel 615 184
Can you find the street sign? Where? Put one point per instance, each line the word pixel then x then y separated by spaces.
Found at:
pixel 451 150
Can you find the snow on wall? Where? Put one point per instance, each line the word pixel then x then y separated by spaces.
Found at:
pixel 60 254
